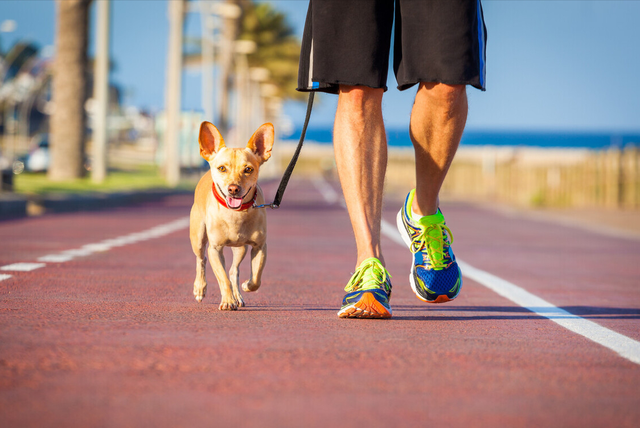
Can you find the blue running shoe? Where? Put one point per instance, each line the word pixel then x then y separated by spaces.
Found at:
pixel 368 292
pixel 435 275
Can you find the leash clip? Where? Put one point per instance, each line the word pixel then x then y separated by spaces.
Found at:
pixel 272 206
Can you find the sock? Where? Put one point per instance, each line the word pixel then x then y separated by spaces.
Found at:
pixel 416 217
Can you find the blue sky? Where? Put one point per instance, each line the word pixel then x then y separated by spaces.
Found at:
pixel 551 65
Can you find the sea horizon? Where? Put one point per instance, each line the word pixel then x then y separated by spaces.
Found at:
pixel 399 137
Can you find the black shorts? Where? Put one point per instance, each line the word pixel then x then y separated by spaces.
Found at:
pixel 348 41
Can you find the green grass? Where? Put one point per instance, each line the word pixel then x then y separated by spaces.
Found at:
pixel 117 181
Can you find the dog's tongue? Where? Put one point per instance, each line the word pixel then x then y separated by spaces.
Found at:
pixel 234 202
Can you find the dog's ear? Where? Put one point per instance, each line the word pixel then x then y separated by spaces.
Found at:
pixel 210 140
pixel 261 142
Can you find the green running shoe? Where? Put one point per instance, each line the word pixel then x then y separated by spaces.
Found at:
pixel 435 275
pixel 368 292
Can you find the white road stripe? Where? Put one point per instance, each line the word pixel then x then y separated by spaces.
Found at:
pixel 327 191
pixel 55 258
pixel 4 276
pixel 85 250
pixel 624 346
pixel 23 267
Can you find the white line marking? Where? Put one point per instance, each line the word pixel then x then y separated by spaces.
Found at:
pixel 23 267
pixel 4 276
pixel 624 346
pixel 55 258
pixel 326 190
pixel 107 244
pixel 391 232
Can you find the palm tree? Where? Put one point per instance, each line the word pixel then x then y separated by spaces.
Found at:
pixel 69 90
pixel 278 49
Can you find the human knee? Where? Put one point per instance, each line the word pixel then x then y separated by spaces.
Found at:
pixel 360 96
pixel 443 94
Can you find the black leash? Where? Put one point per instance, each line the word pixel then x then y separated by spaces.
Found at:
pixel 292 163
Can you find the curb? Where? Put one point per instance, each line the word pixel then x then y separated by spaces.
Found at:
pixel 14 206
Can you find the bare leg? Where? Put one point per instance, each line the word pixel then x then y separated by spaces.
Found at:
pixel 198 236
pixel 360 146
pixel 258 260
pixel 216 259
pixel 200 284
pixel 234 273
pixel 437 121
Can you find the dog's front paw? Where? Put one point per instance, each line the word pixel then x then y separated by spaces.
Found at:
pixel 228 305
pixel 199 292
pixel 249 286
pixel 239 301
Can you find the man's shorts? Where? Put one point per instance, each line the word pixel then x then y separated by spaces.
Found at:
pixel 347 42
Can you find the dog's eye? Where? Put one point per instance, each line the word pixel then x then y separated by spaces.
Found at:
pixel 248 170
pixel 222 169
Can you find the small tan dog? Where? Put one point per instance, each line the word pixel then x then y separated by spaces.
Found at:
pixel 223 214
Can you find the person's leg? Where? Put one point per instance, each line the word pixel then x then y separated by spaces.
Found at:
pixel 451 50
pixel 360 146
pixel 437 121
pixel 345 50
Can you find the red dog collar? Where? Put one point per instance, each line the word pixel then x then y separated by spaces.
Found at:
pixel 222 201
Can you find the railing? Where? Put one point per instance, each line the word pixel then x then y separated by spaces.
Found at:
pixel 608 178
pixel 521 176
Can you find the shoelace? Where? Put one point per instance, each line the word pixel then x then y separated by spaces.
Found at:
pixel 377 276
pixel 424 240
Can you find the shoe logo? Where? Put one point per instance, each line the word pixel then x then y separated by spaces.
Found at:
pixel 456 287
pixel 380 295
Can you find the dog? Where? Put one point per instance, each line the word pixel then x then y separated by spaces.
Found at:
pixel 223 212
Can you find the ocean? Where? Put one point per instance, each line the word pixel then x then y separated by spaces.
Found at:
pixel 400 138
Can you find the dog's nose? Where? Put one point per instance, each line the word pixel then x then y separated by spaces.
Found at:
pixel 233 189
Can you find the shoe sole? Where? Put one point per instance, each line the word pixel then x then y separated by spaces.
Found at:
pixel 366 307
pixel 407 240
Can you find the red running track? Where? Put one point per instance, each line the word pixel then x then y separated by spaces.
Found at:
pixel 116 339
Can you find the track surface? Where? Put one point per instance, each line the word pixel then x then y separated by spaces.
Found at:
pixel 115 338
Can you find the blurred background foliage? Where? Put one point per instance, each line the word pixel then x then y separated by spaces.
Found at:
pixel 278 48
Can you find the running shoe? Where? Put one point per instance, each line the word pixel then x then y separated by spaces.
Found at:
pixel 368 292
pixel 435 276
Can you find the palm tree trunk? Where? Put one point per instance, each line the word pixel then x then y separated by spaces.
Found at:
pixel 173 92
pixel 69 90
pixel 231 24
